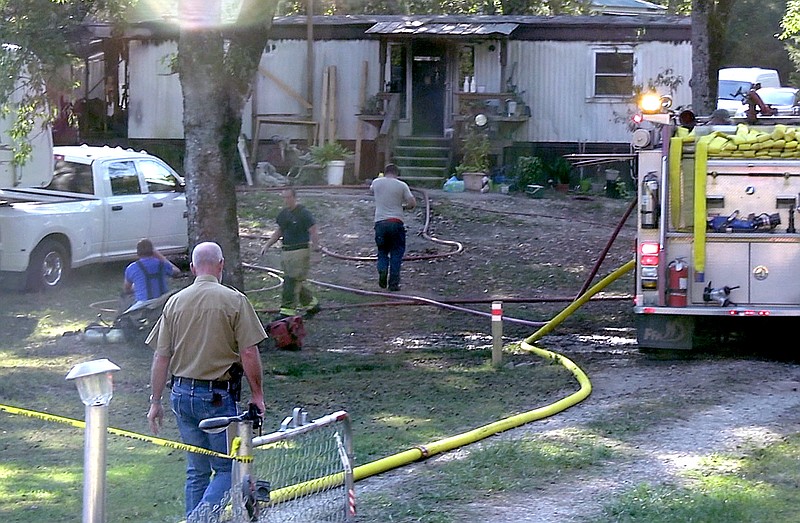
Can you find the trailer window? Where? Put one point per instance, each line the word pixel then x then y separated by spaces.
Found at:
pixel 613 73
pixel 71 177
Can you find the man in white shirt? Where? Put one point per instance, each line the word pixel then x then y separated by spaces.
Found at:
pixel 392 196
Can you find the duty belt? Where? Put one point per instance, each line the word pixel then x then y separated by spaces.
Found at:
pixel 204 384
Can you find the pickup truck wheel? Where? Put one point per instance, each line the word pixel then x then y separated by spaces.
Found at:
pixel 49 266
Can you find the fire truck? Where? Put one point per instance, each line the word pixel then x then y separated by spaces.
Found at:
pixel 716 237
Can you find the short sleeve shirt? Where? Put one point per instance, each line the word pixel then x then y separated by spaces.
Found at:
pixel 134 275
pixel 390 194
pixel 295 224
pixel 203 328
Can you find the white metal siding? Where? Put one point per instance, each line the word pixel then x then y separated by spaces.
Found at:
pixel 487 66
pixel 287 61
pixel 555 80
pixel 155 100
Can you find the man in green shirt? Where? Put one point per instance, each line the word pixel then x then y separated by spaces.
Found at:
pixel 298 229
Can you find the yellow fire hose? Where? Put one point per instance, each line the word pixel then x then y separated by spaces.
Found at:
pixel 459 440
pixel 675 196
pixel 700 180
pixel 496 427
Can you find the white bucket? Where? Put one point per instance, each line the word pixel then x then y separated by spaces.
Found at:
pixel 511 107
pixel 335 172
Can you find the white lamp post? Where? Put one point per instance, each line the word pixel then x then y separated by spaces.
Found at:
pixel 96 388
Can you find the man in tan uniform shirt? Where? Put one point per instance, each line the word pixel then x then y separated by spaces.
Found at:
pixel 206 333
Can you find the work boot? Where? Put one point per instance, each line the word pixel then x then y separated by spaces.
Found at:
pixel 383 278
pixel 313 310
pixel 394 282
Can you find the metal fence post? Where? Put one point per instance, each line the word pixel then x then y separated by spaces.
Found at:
pixel 497 333
pixel 241 469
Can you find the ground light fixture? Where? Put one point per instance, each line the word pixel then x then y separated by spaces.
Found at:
pixel 96 388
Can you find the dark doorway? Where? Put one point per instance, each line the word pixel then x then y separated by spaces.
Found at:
pixel 428 72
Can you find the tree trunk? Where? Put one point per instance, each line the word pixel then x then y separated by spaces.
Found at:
pixel 210 190
pixel 701 100
pixel 709 24
pixel 216 81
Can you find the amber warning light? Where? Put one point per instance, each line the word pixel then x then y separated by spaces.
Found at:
pixel 653 103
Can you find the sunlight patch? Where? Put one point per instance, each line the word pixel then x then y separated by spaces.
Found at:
pixel 607 339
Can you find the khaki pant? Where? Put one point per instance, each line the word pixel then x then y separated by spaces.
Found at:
pixel 295 292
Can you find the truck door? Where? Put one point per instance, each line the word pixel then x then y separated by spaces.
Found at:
pixel 127 215
pixel 167 205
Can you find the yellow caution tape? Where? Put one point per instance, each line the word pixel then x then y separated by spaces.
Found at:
pixel 133 435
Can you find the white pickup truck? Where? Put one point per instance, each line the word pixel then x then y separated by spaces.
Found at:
pixel 99 203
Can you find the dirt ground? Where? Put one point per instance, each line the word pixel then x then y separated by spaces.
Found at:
pixel 521 248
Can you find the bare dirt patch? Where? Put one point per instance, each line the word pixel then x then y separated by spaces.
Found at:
pixel 516 248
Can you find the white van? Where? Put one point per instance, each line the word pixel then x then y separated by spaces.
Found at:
pixel 735 82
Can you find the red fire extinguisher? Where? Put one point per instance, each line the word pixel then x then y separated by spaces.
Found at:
pixel 677 283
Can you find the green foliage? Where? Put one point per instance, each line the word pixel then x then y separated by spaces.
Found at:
pixel 557 169
pixel 434 7
pixel 40 38
pixel 23 101
pixel 622 189
pixel 791 20
pixel 475 157
pixel 328 152
pixel 528 171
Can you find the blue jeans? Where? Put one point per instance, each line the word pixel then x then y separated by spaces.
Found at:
pixel 390 238
pixel 191 405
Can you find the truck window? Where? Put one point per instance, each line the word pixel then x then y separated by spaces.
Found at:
pixel 733 89
pixel 124 178
pixel 157 177
pixel 71 177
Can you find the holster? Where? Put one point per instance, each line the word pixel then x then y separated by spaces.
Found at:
pixel 236 372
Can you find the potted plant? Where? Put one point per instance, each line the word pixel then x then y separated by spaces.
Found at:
pixel 475 160
pixel 332 157
pixel 558 171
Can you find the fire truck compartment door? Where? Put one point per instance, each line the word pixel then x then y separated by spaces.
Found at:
pixel 775 273
pixel 727 263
